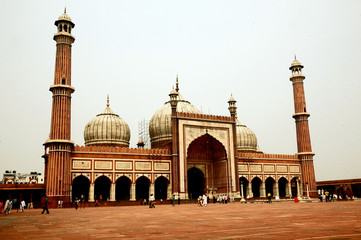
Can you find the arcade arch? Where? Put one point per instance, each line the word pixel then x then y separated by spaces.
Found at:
pixel 256 184
pixel 142 188
pixel 270 183
pixel 80 187
pixel 160 188
pixel 102 188
pixel 282 182
pixel 122 188
pixel 243 186
pixel 294 187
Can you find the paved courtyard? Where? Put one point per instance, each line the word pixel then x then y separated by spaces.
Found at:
pixel 336 220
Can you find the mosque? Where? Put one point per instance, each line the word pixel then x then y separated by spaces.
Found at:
pixel 191 153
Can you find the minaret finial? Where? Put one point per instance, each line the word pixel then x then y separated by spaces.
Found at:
pixel 176 84
pixel 295 56
pixel 108 100
pixel 64 9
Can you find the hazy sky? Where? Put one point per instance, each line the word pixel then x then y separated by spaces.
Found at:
pixel 132 50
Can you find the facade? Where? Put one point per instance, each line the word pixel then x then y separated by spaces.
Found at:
pixel 191 153
pixel 12 177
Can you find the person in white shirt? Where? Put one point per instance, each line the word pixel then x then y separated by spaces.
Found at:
pixel 151 201
pixel 204 200
pixel 22 205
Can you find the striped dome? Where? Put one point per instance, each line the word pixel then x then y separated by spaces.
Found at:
pixel 160 126
pixel 246 139
pixel 107 129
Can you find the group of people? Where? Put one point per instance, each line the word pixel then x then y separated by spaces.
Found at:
pixel 202 201
pixel 326 196
pixel 221 198
pixel 81 202
pixel 224 199
pixel 10 204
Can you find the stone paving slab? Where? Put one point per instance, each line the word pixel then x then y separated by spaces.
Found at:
pixel 335 220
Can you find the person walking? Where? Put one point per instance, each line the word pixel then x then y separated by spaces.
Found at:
pixel 199 200
pixel 45 208
pixel 269 197
pixel 205 200
pixel 22 205
pixel 173 200
pixel 151 201
pixel 10 206
pixel 6 206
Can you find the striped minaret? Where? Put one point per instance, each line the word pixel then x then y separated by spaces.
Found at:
pixel 301 116
pixel 59 145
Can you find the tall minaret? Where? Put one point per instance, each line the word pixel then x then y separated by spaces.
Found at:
pixel 59 145
pixel 233 111
pixel 301 116
pixel 173 95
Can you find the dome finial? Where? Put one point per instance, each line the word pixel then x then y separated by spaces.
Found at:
pixel 108 100
pixel 295 56
pixel 65 10
pixel 176 84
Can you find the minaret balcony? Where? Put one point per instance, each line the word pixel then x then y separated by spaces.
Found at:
pixel 61 89
pixel 301 116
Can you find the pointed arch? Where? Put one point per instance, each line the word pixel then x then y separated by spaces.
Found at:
pixel 282 183
pixel 80 186
pixel 142 187
pixel 206 147
pixel 256 187
pixel 102 188
pixel 122 188
pixel 270 183
pixel 208 152
pixel 160 188
pixel 243 186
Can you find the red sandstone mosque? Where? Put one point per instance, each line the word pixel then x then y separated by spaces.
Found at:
pixel 191 153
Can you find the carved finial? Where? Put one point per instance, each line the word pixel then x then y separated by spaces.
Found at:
pixel 176 84
pixel 108 100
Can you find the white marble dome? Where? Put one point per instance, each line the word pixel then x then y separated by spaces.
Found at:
pixel 107 129
pixel 246 139
pixel 160 125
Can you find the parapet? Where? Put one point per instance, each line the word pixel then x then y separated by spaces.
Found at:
pixel 205 117
pixel 265 156
pixel 125 150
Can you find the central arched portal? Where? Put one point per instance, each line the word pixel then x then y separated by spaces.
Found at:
pixel 207 167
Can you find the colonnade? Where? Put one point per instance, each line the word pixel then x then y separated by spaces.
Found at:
pixel 250 189
pixel 127 190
